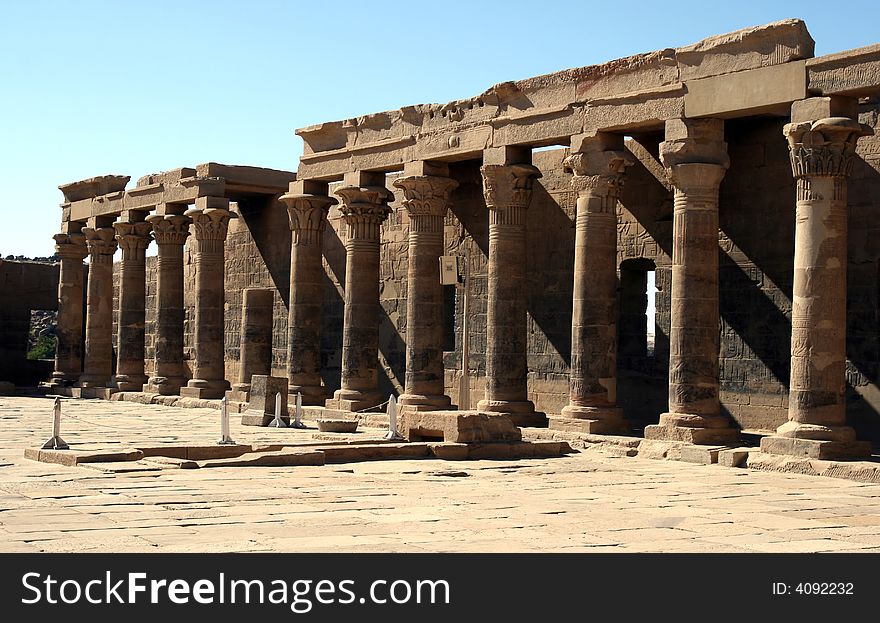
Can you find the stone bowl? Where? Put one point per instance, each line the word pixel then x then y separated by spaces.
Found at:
pixel 337 426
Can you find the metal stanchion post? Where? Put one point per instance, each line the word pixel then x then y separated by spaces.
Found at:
pixel 225 439
pixel 56 442
pixel 392 434
pixel 278 422
pixel 297 419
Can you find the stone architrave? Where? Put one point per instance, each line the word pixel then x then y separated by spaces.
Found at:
pixel 255 349
pixel 98 362
pixel 598 166
pixel 133 238
pixel 364 207
pixel 695 157
pixel 71 249
pixel 822 152
pixel 307 205
pixel 507 189
pixel 426 199
pixel 170 232
pixel 210 218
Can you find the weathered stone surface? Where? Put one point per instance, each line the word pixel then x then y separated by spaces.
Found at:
pixel 815 448
pixel 263 393
pixel 734 457
pixel 255 349
pixel 457 426
pixel 764 90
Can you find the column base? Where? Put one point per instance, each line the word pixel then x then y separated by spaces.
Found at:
pixel 240 392
pixel 695 429
pixel 421 402
pixel 202 389
pixel 312 395
pixel 93 381
pixel 104 393
pixel 353 400
pixel 591 420
pixel 129 382
pixel 520 412
pixel 164 385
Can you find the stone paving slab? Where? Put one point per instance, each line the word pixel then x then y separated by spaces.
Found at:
pixel 583 502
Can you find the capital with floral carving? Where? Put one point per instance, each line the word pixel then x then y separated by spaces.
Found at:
pixel 170 229
pixel 210 223
pixel 426 195
pixel 508 185
pixel 100 240
pixel 133 238
pixel 364 204
pixel 826 147
pixel 307 216
pixel 71 246
pixel 599 172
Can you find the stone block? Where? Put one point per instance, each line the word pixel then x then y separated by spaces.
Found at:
pixel 699 436
pixel 586 426
pixel 814 108
pixel 755 91
pixel 814 448
pixel 734 457
pixel 655 449
pixel 261 407
pixel 457 426
pixel 703 455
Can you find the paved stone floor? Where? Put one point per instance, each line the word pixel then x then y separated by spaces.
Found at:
pixel 585 502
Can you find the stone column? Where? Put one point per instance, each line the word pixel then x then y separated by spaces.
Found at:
pixel 508 190
pixel 170 232
pixel 71 249
pixel 133 238
pixel 822 142
pixel 98 363
pixel 364 206
pixel 695 157
pixel 598 164
pixel 307 205
pixel 426 189
pixel 255 350
pixel 210 224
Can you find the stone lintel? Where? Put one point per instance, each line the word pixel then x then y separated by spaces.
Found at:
pixel 272 180
pixel 754 91
pixel 94 187
pixel 852 72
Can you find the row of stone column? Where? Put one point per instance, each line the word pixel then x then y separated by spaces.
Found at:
pixel 91 367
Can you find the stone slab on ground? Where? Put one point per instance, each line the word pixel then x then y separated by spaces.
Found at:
pixel 815 448
pixel 457 426
pixel 69 458
pixel 859 471
pixel 288 457
pixel 122 467
pixel 703 455
pixel 656 449
pixel 734 457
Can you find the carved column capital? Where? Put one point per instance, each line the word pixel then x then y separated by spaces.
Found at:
pixel 133 238
pixel 426 199
pixel 210 224
pixel 598 173
pixel 508 186
pixel 825 147
pixel 364 208
pixel 101 241
pixel 71 246
pixel 170 229
pixel 308 216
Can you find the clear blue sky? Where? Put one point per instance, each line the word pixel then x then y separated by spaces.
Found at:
pixel 91 88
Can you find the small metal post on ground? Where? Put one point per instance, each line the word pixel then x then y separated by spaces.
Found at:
pixel 225 439
pixel 56 442
pixel 392 434
pixel 278 422
pixel 297 418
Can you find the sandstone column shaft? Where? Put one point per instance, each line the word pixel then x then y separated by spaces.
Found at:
pixel 695 156
pixel 71 249
pixel 593 379
pixel 255 350
pixel 822 154
pixel 508 191
pixel 426 201
pixel 210 225
pixel 98 364
pixel 133 239
pixel 364 209
pixel 308 218
pixel 170 232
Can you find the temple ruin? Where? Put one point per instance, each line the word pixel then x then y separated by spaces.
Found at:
pixel 741 171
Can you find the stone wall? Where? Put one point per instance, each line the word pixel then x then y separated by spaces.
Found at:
pixel 756 254
pixel 23 286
